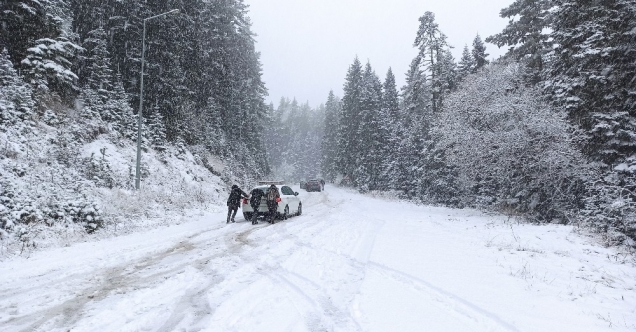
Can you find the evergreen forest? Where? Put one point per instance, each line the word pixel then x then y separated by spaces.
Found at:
pixel 545 133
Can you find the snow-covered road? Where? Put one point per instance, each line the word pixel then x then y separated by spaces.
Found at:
pixel 349 263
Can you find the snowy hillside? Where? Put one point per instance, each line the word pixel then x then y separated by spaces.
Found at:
pixel 56 191
pixel 349 263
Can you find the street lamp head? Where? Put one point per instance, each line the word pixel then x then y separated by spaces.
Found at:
pixel 174 11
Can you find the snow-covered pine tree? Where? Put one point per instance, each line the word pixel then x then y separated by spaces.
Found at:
pixel 48 66
pixel 351 109
pixel 466 64
pixel 431 43
pixel 526 33
pixel 16 104
pixel 22 23
pixel 97 94
pixel 330 139
pixel 416 115
pixel 479 53
pixel 371 137
pixel 591 74
pixel 156 130
pixel 92 105
pixel 447 72
pixel 123 118
pixel 100 74
pixel 392 126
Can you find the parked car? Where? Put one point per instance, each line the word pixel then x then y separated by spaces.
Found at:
pixel 290 204
pixel 314 185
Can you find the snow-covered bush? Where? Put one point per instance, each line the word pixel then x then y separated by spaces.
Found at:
pixel 98 170
pixel 511 150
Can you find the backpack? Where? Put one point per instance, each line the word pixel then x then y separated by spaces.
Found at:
pixel 271 194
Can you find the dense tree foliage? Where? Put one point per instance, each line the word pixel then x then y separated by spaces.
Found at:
pixel 70 80
pixel 526 33
pixel 202 73
pixel 547 132
pixel 510 148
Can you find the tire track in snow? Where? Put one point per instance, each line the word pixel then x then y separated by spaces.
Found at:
pixel 327 305
pixel 360 260
pixel 313 321
pixel 194 298
pixel 472 312
pixel 119 279
pixel 343 316
pixel 74 274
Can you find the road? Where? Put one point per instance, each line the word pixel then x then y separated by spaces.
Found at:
pixel 349 263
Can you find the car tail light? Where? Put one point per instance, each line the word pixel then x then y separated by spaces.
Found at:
pixel 245 201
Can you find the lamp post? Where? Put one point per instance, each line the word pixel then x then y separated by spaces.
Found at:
pixel 141 96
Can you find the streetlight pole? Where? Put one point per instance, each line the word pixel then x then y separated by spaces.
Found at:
pixel 141 97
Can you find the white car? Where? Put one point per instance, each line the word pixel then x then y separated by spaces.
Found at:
pixel 289 205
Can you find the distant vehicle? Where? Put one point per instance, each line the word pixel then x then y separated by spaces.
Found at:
pixel 314 185
pixel 303 184
pixel 290 203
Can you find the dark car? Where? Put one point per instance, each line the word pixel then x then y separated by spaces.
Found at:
pixel 314 185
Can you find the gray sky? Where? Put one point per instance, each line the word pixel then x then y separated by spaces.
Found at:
pixel 307 45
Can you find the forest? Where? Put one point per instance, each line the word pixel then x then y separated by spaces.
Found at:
pixel 545 133
pixel 70 90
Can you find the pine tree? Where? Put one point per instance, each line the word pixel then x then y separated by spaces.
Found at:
pixel 156 130
pixel 447 71
pixel 22 23
pixel 351 108
pixel 48 66
pixel 466 64
pixel 591 74
pixel 99 69
pixel 330 140
pixel 123 119
pixel 392 126
pixel 431 43
pixel 370 136
pixel 479 53
pixel 416 118
pixel 526 33
pixel 16 103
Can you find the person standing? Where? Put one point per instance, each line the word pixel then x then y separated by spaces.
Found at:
pixel 273 197
pixel 255 201
pixel 233 202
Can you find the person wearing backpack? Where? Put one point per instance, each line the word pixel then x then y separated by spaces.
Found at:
pixel 234 201
pixel 255 201
pixel 273 197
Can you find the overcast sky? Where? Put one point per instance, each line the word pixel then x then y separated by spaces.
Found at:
pixel 307 45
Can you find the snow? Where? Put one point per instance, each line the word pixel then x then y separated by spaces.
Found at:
pixel 349 263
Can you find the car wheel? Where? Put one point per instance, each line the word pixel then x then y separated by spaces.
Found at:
pixel 247 216
pixel 285 213
pixel 300 209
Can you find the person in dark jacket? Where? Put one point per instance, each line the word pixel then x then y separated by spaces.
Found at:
pixel 255 201
pixel 234 201
pixel 273 197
